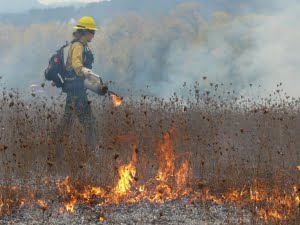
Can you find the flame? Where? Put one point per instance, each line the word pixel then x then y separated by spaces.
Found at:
pixel 142 188
pixel 71 205
pixel 297 200
pixel 170 183
pixel 269 215
pixel 67 190
pixel 42 204
pixel 126 177
pixel 90 192
pixel 181 176
pixel 22 202
pixel 117 101
pixel 296 196
pixel 1 205
pixel 166 159
pixel 257 192
pixel 98 191
pixel 233 196
pixel 126 173
pixel 64 186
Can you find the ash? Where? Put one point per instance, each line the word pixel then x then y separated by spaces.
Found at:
pixel 181 211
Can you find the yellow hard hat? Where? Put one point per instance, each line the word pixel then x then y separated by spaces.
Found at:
pixel 86 23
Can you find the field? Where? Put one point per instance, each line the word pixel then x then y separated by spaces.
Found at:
pixel 197 161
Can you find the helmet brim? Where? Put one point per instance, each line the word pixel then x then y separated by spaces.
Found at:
pixel 83 28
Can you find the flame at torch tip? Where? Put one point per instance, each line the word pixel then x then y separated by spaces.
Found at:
pixel 117 101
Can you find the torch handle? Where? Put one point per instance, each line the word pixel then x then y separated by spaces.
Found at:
pixel 96 75
pixel 109 92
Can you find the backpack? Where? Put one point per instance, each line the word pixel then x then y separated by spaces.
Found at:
pixel 56 69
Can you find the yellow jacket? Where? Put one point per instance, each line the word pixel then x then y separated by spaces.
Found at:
pixel 75 57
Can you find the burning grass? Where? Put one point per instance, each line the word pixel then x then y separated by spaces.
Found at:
pixel 153 152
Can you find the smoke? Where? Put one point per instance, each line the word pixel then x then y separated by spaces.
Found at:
pixel 254 52
pixel 275 56
pixel 159 55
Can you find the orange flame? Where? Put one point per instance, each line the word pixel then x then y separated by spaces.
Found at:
pixel 98 191
pixel 89 192
pixel 117 101
pixel 71 204
pixel 165 190
pixel 182 175
pixel 257 192
pixel 166 159
pixel 269 215
pixel 296 196
pixel 297 200
pixel 66 189
pixel 42 204
pixel 127 174
pixel 64 186
pixel 171 183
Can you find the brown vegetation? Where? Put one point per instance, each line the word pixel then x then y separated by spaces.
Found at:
pixel 228 146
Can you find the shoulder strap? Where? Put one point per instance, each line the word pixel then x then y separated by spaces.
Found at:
pixel 62 55
pixel 66 45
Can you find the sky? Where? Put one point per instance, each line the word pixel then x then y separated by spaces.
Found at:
pixel 13 6
pixel 51 2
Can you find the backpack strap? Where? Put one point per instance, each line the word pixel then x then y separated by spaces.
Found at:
pixel 66 45
pixel 87 55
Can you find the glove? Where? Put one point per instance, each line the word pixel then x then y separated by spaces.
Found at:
pixel 86 72
pixel 104 89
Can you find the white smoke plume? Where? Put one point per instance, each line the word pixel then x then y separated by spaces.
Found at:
pixel 181 46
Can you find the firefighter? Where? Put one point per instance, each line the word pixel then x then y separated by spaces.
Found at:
pixel 78 67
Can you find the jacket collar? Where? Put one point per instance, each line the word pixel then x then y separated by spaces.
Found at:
pixel 83 41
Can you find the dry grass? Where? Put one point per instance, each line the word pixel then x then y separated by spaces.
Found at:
pixel 228 145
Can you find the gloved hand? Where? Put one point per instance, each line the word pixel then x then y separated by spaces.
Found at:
pixel 86 72
pixel 104 89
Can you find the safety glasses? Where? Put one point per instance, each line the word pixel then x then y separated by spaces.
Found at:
pixel 91 31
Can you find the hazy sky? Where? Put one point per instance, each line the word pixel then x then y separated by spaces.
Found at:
pixel 8 6
pixel 49 2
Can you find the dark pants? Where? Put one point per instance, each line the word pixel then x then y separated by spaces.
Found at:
pixel 80 107
pixel 77 105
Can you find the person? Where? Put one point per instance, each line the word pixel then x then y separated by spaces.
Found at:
pixel 78 67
